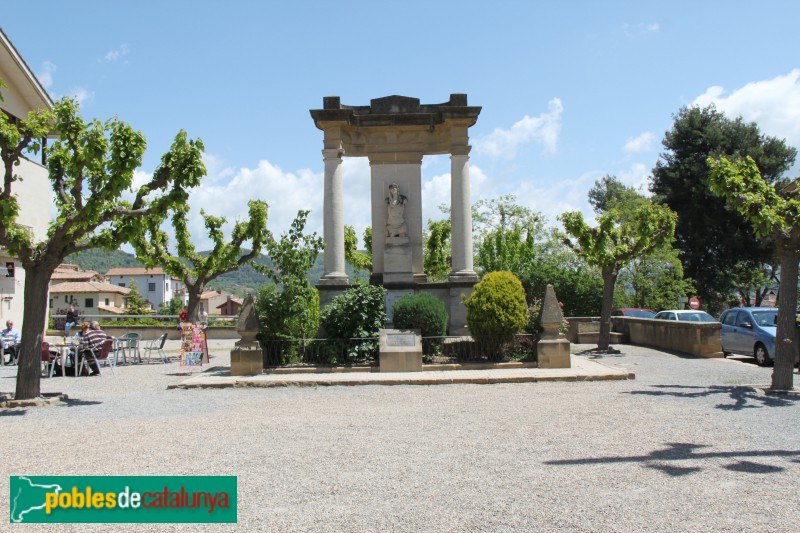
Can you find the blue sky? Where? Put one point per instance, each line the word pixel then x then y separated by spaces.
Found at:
pixel 570 91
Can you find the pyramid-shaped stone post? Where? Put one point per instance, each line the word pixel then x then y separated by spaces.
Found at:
pixel 553 349
pixel 247 358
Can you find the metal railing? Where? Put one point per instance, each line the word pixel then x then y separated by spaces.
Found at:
pixel 365 351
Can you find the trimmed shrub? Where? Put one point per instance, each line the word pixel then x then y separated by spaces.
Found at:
pixel 292 313
pixel 496 311
pixel 358 313
pixel 425 313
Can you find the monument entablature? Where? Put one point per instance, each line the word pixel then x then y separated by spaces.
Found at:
pixel 395 133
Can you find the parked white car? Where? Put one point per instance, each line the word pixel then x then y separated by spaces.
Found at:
pixel 684 315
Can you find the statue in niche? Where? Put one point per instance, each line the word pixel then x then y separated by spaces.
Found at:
pixel 395 222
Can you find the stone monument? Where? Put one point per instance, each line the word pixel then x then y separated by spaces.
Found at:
pixel 395 133
pixel 400 350
pixel 247 358
pixel 553 349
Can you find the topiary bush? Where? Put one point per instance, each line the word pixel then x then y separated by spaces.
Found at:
pixel 425 313
pixel 358 313
pixel 496 311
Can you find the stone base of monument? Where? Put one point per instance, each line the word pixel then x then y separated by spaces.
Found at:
pixel 400 350
pixel 397 261
pixel 247 360
pixel 553 353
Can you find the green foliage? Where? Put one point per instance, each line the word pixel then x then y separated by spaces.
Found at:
pixel 136 305
pixel 172 307
pixel 360 261
pixel 436 257
pixel 496 310
pixel 194 269
pixel 619 237
pixel 293 255
pixel 358 313
pixel 711 236
pixel 421 311
pixel 653 281
pixel 89 166
pixel 579 288
pixel 291 313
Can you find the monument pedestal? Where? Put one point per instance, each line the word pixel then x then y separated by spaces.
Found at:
pixel 553 353
pixel 400 350
pixel 397 261
pixel 553 349
pixel 247 360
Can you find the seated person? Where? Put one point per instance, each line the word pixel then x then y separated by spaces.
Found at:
pixel 10 339
pixel 91 342
pixel 77 338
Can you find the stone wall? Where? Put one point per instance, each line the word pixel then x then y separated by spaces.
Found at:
pixel 693 338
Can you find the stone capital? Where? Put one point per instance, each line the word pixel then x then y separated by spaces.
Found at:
pixel 395 158
pixel 462 150
pixel 332 153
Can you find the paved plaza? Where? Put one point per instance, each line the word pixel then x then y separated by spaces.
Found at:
pixel 689 445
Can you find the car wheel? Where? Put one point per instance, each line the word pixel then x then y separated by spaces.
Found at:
pixel 761 355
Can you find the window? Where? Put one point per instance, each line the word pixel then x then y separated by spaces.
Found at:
pixel 51 303
pixel 121 284
pixel 89 302
pixel 107 301
pixel 66 299
pixel 168 285
pixel 729 318
pixel 151 287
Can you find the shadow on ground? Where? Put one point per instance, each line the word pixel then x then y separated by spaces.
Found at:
pixel 664 459
pixel 744 397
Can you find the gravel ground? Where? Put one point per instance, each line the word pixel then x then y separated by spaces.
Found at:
pixel 686 446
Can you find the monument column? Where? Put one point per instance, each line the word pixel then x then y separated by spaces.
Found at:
pixel 461 214
pixel 333 219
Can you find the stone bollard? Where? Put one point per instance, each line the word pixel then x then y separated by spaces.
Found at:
pixel 247 358
pixel 553 349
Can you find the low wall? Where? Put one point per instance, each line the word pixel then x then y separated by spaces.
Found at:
pixel 581 324
pixel 153 332
pixel 693 338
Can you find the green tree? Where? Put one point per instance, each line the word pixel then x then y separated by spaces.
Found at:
pixel 360 261
pixel 172 307
pixel 135 304
pixel 194 269
pixel 436 255
pixel 296 302
pixel 713 237
pixel 615 241
pixel 90 166
pixel 772 214
pixel 654 279
pixel 496 311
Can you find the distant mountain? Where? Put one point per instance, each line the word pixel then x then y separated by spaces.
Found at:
pixel 239 282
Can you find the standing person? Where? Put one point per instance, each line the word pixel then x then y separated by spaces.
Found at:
pixel 203 317
pixel 182 317
pixel 72 319
pixel 11 340
pixel 91 342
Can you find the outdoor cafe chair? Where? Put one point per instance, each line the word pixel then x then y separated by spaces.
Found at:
pixel 157 345
pixel 48 359
pixel 131 346
pixel 100 354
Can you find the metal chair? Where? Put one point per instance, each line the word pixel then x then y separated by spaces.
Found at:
pixel 157 345
pixel 100 354
pixel 131 345
pixel 49 359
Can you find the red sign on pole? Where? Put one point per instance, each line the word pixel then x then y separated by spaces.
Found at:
pixel 694 303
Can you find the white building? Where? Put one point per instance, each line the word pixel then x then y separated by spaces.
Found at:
pixel 33 192
pixel 89 298
pixel 153 284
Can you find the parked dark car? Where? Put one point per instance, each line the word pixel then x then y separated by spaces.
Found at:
pixel 634 312
pixel 750 331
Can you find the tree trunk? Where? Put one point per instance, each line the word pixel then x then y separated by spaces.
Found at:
pixel 193 309
pixel 785 339
pixel 33 328
pixel 609 280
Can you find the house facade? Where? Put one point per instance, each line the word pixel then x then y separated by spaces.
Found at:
pixel 33 191
pixel 90 298
pixel 153 284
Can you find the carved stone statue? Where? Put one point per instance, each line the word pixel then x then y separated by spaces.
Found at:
pixel 395 222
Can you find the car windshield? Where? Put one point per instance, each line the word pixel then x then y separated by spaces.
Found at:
pixel 639 313
pixel 766 318
pixel 698 316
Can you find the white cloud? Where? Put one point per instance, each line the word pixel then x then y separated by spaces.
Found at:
pixel 436 191
pixel 544 128
pixel 642 143
pixel 637 177
pixel 773 104
pixel 82 95
pixel 113 55
pixel 216 169
pixel 635 30
pixel 45 75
